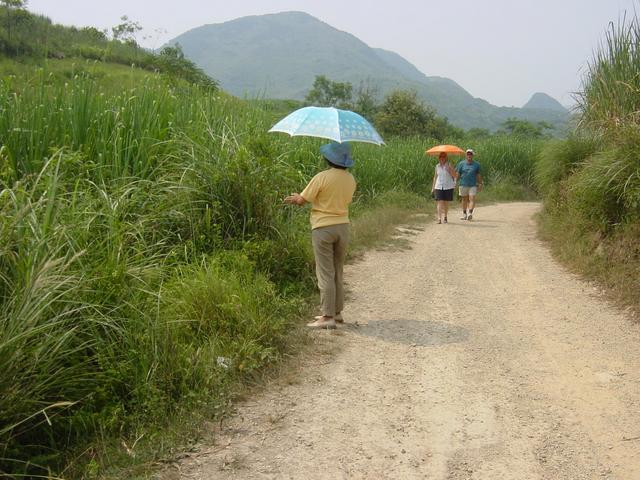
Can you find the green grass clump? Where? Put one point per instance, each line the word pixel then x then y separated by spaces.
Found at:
pixel 559 159
pixel 231 318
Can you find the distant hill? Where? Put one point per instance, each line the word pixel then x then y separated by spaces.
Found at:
pixel 279 56
pixel 542 100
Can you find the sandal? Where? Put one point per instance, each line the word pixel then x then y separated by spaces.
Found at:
pixel 326 323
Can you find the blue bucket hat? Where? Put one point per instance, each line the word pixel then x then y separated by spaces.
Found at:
pixel 338 154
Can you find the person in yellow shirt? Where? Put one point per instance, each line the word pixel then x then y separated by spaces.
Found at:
pixel 330 192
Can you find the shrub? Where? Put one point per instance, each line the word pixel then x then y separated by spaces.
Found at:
pixel 560 158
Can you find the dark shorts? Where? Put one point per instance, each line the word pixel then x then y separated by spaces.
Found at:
pixel 446 195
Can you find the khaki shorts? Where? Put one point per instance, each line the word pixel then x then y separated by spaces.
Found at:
pixel 471 191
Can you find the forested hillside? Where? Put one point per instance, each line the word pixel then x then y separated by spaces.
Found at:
pixel 279 55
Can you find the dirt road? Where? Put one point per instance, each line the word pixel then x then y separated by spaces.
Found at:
pixel 481 358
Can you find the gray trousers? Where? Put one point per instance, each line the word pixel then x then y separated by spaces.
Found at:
pixel 330 248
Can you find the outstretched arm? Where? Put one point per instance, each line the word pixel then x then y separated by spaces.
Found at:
pixel 295 199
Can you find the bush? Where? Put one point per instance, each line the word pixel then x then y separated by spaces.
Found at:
pixel 559 159
pixel 403 114
pixel 286 260
pixel 591 198
pixel 220 309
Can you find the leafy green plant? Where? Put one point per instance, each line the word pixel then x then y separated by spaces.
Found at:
pixel 560 158
pixel 403 114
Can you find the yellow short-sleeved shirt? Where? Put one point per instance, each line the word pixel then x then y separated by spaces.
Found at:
pixel 330 193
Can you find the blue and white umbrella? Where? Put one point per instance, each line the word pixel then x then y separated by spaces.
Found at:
pixel 328 122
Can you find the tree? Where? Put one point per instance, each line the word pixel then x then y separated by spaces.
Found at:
pixel 404 114
pixel 14 4
pixel 366 99
pixel 126 31
pixel 174 52
pixel 172 60
pixel 327 93
pixel 15 14
pixel 478 133
pixel 525 128
pixel 93 34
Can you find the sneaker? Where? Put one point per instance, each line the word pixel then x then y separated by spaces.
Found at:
pixel 464 217
pixel 470 217
pixel 445 220
pixel 337 318
pixel 322 323
pixel 439 221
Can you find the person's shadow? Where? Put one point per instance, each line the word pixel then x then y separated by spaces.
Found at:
pixel 414 332
pixel 474 224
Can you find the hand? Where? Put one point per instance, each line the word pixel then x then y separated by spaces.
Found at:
pixel 294 199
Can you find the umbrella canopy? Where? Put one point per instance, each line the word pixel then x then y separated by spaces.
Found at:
pixel 449 149
pixel 328 122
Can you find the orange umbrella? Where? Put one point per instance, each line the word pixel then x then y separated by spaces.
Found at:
pixel 450 149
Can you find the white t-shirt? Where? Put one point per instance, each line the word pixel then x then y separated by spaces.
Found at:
pixel 444 180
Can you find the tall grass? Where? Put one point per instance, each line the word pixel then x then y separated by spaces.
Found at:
pixel 120 134
pixel 591 181
pixel 610 96
pixel 609 175
pixel 504 161
pixel 106 197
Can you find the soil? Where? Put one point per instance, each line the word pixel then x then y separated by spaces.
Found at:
pixel 472 354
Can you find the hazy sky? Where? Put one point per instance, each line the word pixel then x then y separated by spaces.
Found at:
pixel 499 50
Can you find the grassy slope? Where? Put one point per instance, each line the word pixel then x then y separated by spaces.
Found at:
pixel 586 219
pixel 112 76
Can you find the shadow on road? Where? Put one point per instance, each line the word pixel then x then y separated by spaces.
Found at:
pixel 474 224
pixel 414 332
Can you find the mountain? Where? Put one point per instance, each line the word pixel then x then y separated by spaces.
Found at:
pixel 542 100
pixel 399 63
pixel 279 55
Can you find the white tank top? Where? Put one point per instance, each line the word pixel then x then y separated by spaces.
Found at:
pixel 444 180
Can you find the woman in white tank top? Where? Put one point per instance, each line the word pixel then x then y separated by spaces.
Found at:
pixel 444 182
